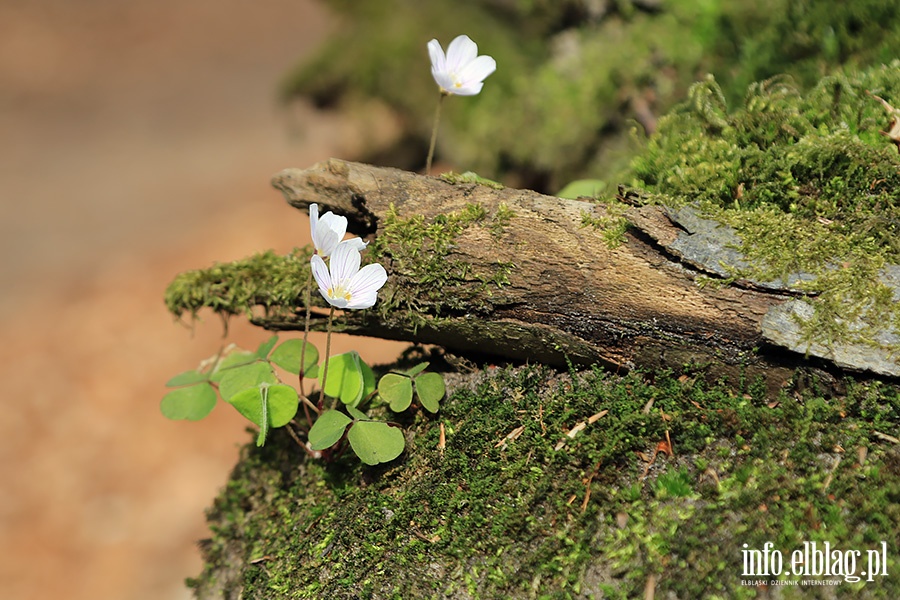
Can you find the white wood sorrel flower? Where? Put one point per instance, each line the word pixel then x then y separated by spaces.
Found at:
pixel 343 284
pixel 328 231
pixel 461 72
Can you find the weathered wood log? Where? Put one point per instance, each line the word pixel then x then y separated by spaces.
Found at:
pixel 527 279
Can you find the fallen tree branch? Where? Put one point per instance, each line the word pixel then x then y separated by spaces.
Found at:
pixel 530 281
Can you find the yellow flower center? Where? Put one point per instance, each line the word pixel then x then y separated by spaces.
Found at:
pixel 339 292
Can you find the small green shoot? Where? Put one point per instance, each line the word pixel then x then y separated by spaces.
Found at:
pixel 674 484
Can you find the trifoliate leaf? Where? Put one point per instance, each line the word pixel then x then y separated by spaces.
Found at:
pixel 191 403
pixel 328 429
pixel 267 406
pixel 349 378
pixel 287 356
pixel 417 369
pixel 357 414
pixel 430 389
pixel 238 379
pixel 263 351
pixel 235 359
pixel 187 378
pixel 376 442
pixel 396 390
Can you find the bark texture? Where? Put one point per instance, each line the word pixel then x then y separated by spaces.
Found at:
pixel 560 291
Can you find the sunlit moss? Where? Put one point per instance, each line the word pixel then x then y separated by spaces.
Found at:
pixel 807 181
pixel 494 516
pixel 268 280
pixel 433 281
pixel 428 281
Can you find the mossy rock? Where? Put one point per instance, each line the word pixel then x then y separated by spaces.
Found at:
pixel 572 486
pixel 808 184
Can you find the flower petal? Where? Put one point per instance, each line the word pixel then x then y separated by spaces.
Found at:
pixel 322 276
pixel 444 81
pixel 328 231
pixel 357 243
pixel 477 70
pixel 336 223
pixel 338 302
pixel 313 220
pixel 471 89
pixel 370 277
pixel 344 263
pixel 436 53
pixel 365 285
pixel 460 52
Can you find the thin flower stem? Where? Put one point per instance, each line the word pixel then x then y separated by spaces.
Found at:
pixel 327 356
pixel 437 121
pixel 305 332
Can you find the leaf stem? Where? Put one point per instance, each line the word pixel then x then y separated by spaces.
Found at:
pixel 327 357
pixel 305 332
pixel 434 130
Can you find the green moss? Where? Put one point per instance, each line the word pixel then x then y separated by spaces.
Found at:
pixel 495 515
pixel 267 280
pixel 427 282
pixel 470 177
pixel 431 281
pixel 572 77
pixel 612 225
pixel 808 182
pixel 806 39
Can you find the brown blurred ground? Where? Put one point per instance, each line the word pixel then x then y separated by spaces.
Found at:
pixel 136 141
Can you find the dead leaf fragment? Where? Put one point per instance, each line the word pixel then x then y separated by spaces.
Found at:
pixel 515 433
pixel 893 131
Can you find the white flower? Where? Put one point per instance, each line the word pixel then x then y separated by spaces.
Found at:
pixel 344 284
pixel 462 72
pixel 328 231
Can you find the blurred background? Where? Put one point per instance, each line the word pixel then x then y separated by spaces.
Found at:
pixel 138 139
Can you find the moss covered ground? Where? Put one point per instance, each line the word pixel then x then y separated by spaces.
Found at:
pixel 572 485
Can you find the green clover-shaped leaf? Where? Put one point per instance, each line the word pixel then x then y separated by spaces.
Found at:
pixel 430 389
pixel 287 356
pixel 396 390
pixel 349 378
pixel 328 429
pixel 192 403
pixel 376 442
pixel 233 360
pixel 267 406
pixel 263 351
pixel 187 378
pixel 417 369
pixel 243 377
